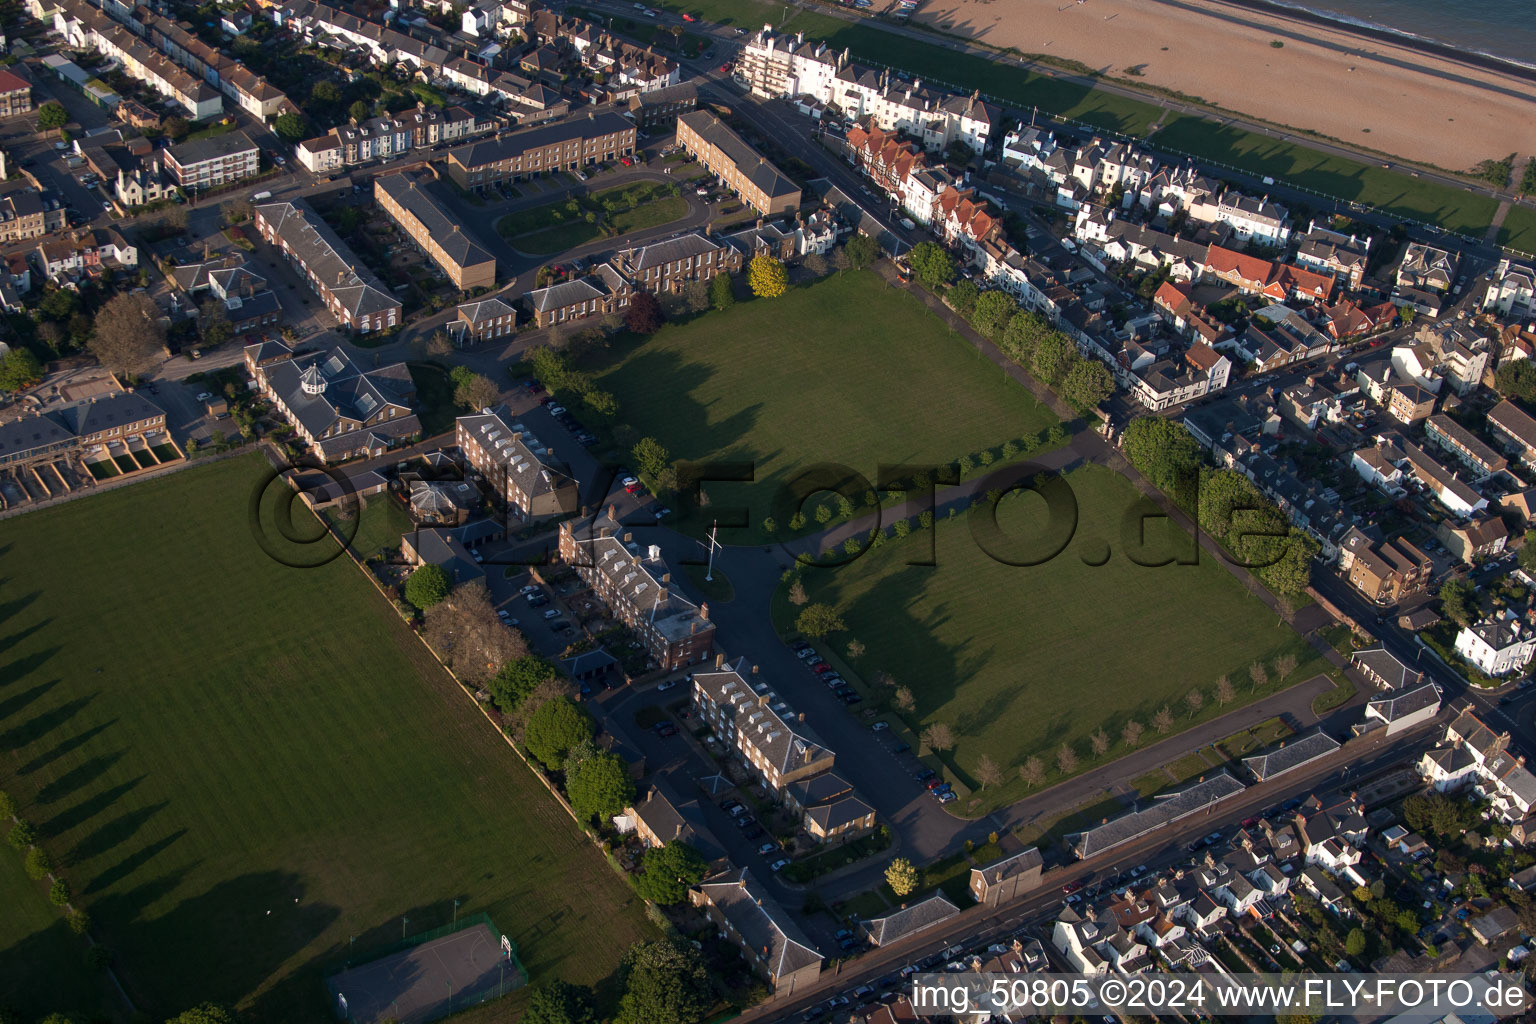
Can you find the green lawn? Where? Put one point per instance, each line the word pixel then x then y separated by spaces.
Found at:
pixel 845 371
pixel 203 735
pixel 1519 229
pixel 42 963
pixel 560 225
pixel 1019 660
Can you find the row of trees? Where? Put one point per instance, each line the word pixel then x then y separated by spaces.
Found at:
pixel 551 369
pixel 1226 504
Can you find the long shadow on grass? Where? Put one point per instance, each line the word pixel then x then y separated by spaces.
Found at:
pixel 64 747
pixel 10 642
pixel 131 863
pixel 115 832
pixel 23 667
pixel 42 724
pixel 78 776
pixel 82 812
pixel 10 608
pixel 33 982
pixel 16 702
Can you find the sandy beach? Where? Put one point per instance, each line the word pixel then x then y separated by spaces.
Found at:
pixel 1416 106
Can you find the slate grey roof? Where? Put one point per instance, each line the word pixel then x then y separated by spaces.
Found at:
pixel 637 579
pixel 1024 860
pixel 936 909
pixel 1291 756
pixel 838 813
pixel 1166 809
pixel 523 458
pixel 748 161
pixel 438 546
pixel 559 296
pixel 31 433
pixel 330 259
pixel 670 815
pixel 445 230
pixel 638 259
pixel 784 745
pixel 1406 702
pixel 97 414
pixel 211 147
pixel 193 277
pixel 485 309
pixel 347 392
pixel 569 129
pixel 1384 665
pixel 761 923
pixel 818 789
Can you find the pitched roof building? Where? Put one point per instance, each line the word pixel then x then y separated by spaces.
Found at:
pixel 772 942
pixel 348 289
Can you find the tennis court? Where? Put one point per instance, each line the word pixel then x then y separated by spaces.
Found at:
pixel 429 980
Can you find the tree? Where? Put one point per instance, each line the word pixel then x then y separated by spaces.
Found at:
pixel 797 595
pixel 213 325
pixel 861 251
pixel 22 835
pixel 325 91
pixel 697 295
pixel 931 265
pixel 128 333
pixel 667 871
pixel 1022 334
pixel 1195 700
pixel 559 1002
pixel 644 315
pixel 855 650
pixel 19 369
pixel 518 678
pixel 817 620
pixel 38 864
pixel 465 631
pixel 427 586
pixel 1163 720
pixel 291 127
pixel 650 457
pixel 1459 601
pixel 1258 674
pixel 962 297
pixel 767 277
pixel 988 773
pixel 1516 378
pixel 664 983
pixel 1099 741
pixel 901 876
pixel 207 1013
pixel 439 344
pixel 1088 383
pixel 1225 693
pixel 176 128
pixel 598 786
pixel 1354 942
pixel 59 893
pixel 1161 450
pixel 1284 666
pixel 721 293
pixel 358 111
pixel 476 391
pixel 994 311
pixel 236 210
pixel 1054 356
pixel 1131 734
pixel 555 727
pixel 938 737
pixel 51 116
pixel 59 304
pixel 1032 772
pixel 904 700
pixel 1066 759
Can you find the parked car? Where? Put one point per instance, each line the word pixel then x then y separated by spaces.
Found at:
pixel 881 727
pixel 563 626
pixel 925 774
pixel 661 512
pixel 553 613
pixel 768 848
pixel 779 865
pixel 667 684
pixel 821 668
pixel 665 729
pixel 557 410
pixel 630 484
pixel 934 782
pixel 754 832
pixel 737 810
pixel 805 653
pixel 800 645
pixel 947 797
pixel 529 588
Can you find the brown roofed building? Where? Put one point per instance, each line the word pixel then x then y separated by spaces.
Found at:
pixel 744 170
pixel 769 938
pixel 435 231
pixel 1516 428
pixel 1384 571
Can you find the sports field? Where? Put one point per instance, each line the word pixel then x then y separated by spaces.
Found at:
pixel 243 766
pixel 845 371
pixel 1018 660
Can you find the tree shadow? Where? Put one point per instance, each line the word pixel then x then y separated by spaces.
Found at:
pixel 131 863
pixel 64 747
pixel 22 667
pixel 14 640
pixel 115 832
pixel 16 702
pixel 11 608
pixel 40 725
pixel 85 810
pixel 78 776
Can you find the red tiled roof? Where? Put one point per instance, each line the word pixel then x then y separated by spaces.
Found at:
pixel 12 82
pixel 1220 260
pixel 1172 297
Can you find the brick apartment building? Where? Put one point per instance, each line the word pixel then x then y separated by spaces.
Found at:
pixel 533 483
pixel 738 708
pixel 744 170
pixel 668 266
pixel 565 145
pixel 638 590
pixel 348 289
pixel 214 161
pixel 1385 571
pixel 435 231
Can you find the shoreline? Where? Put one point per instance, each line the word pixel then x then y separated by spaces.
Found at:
pixel 1420 102
pixel 1395 37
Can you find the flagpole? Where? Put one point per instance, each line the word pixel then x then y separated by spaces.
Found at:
pixel 714 530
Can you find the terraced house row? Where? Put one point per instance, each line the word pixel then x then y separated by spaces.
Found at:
pixel 598 136
pixel 349 290
pixel 436 231
pixel 387 138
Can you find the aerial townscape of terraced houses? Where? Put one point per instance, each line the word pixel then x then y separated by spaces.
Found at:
pixel 745 507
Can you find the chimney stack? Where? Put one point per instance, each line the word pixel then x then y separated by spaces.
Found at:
pixel 754 670
pixel 719 659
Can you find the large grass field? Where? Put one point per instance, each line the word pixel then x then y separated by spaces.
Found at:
pixel 846 370
pixel 44 964
pixel 1360 181
pixel 241 766
pixel 1018 660
pixel 1519 229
